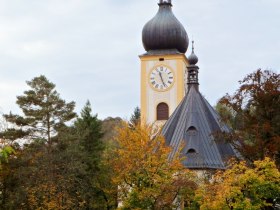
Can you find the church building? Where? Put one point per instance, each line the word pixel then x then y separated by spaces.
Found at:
pixel 170 94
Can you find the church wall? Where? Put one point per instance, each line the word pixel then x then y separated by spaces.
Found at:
pixel 150 97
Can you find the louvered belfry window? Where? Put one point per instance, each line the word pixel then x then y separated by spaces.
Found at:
pixel 162 111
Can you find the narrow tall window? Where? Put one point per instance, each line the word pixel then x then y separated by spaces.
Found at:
pixel 162 111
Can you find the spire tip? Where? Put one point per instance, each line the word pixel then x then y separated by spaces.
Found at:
pixel 193 46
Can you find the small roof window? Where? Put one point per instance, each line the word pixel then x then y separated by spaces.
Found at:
pixel 191 151
pixel 191 131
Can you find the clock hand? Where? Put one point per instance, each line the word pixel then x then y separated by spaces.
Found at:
pixel 162 79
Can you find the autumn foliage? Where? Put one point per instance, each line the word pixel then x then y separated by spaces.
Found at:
pixel 254 110
pixel 91 165
pixel 242 187
pixel 147 179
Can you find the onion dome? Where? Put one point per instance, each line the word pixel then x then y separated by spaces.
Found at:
pixel 164 31
pixel 193 59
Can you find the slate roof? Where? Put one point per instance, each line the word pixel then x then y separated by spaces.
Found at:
pixel 193 123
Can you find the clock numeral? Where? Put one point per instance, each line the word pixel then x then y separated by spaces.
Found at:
pixel 169 72
pixel 157 86
pixel 170 77
pixel 153 82
pixel 169 82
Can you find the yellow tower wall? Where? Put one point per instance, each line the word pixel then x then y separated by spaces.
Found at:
pixel 150 97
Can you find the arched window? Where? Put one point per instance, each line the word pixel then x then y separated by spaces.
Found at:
pixel 162 111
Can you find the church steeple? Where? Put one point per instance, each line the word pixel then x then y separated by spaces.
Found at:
pixel 193 70
pixel 163 65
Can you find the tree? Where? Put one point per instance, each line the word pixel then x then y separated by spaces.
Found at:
pixel 145 176
pixel 40 179
pixel 35 178
pixel 44 112
pixel 95 187
pixel 5 152
pixel 135 117
pixel 242 187
pixel 88 128
pixel 256 115
pixel 227 115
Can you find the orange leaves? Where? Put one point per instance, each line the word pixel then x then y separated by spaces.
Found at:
pixel 49 196
pixel 256 115
pixel 145 176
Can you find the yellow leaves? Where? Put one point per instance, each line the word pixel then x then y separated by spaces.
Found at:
pixel 145 176
pixel 49 196
pixel 242 187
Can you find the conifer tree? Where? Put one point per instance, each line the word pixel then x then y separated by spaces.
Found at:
pixel 88 128
pixel 95 186
pixel 44 112
pixel 135 117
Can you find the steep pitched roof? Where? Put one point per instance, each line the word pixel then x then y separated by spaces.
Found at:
pixel 193 124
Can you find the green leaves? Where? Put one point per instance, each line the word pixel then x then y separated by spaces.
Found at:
pixel 135 118
pixel 5 152
pixel 44 112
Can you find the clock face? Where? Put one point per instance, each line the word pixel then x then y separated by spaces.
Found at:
pixel 161 78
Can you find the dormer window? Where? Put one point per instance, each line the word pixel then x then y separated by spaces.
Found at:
pixel 192 131
pixel 191 151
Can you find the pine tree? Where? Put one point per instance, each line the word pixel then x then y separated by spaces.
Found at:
pixel 135 117
pixel 44 112
pixel 88 128
pixel 95 187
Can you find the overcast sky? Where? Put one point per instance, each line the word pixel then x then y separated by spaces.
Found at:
pixel 90 48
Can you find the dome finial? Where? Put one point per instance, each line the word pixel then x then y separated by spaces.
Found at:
pixel 193 59
pixel 193 69
pixel 192 46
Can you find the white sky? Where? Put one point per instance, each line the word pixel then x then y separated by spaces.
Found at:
pixel 90 48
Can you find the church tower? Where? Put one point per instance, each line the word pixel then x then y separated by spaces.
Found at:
pixel 194 124
pixel 163 66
